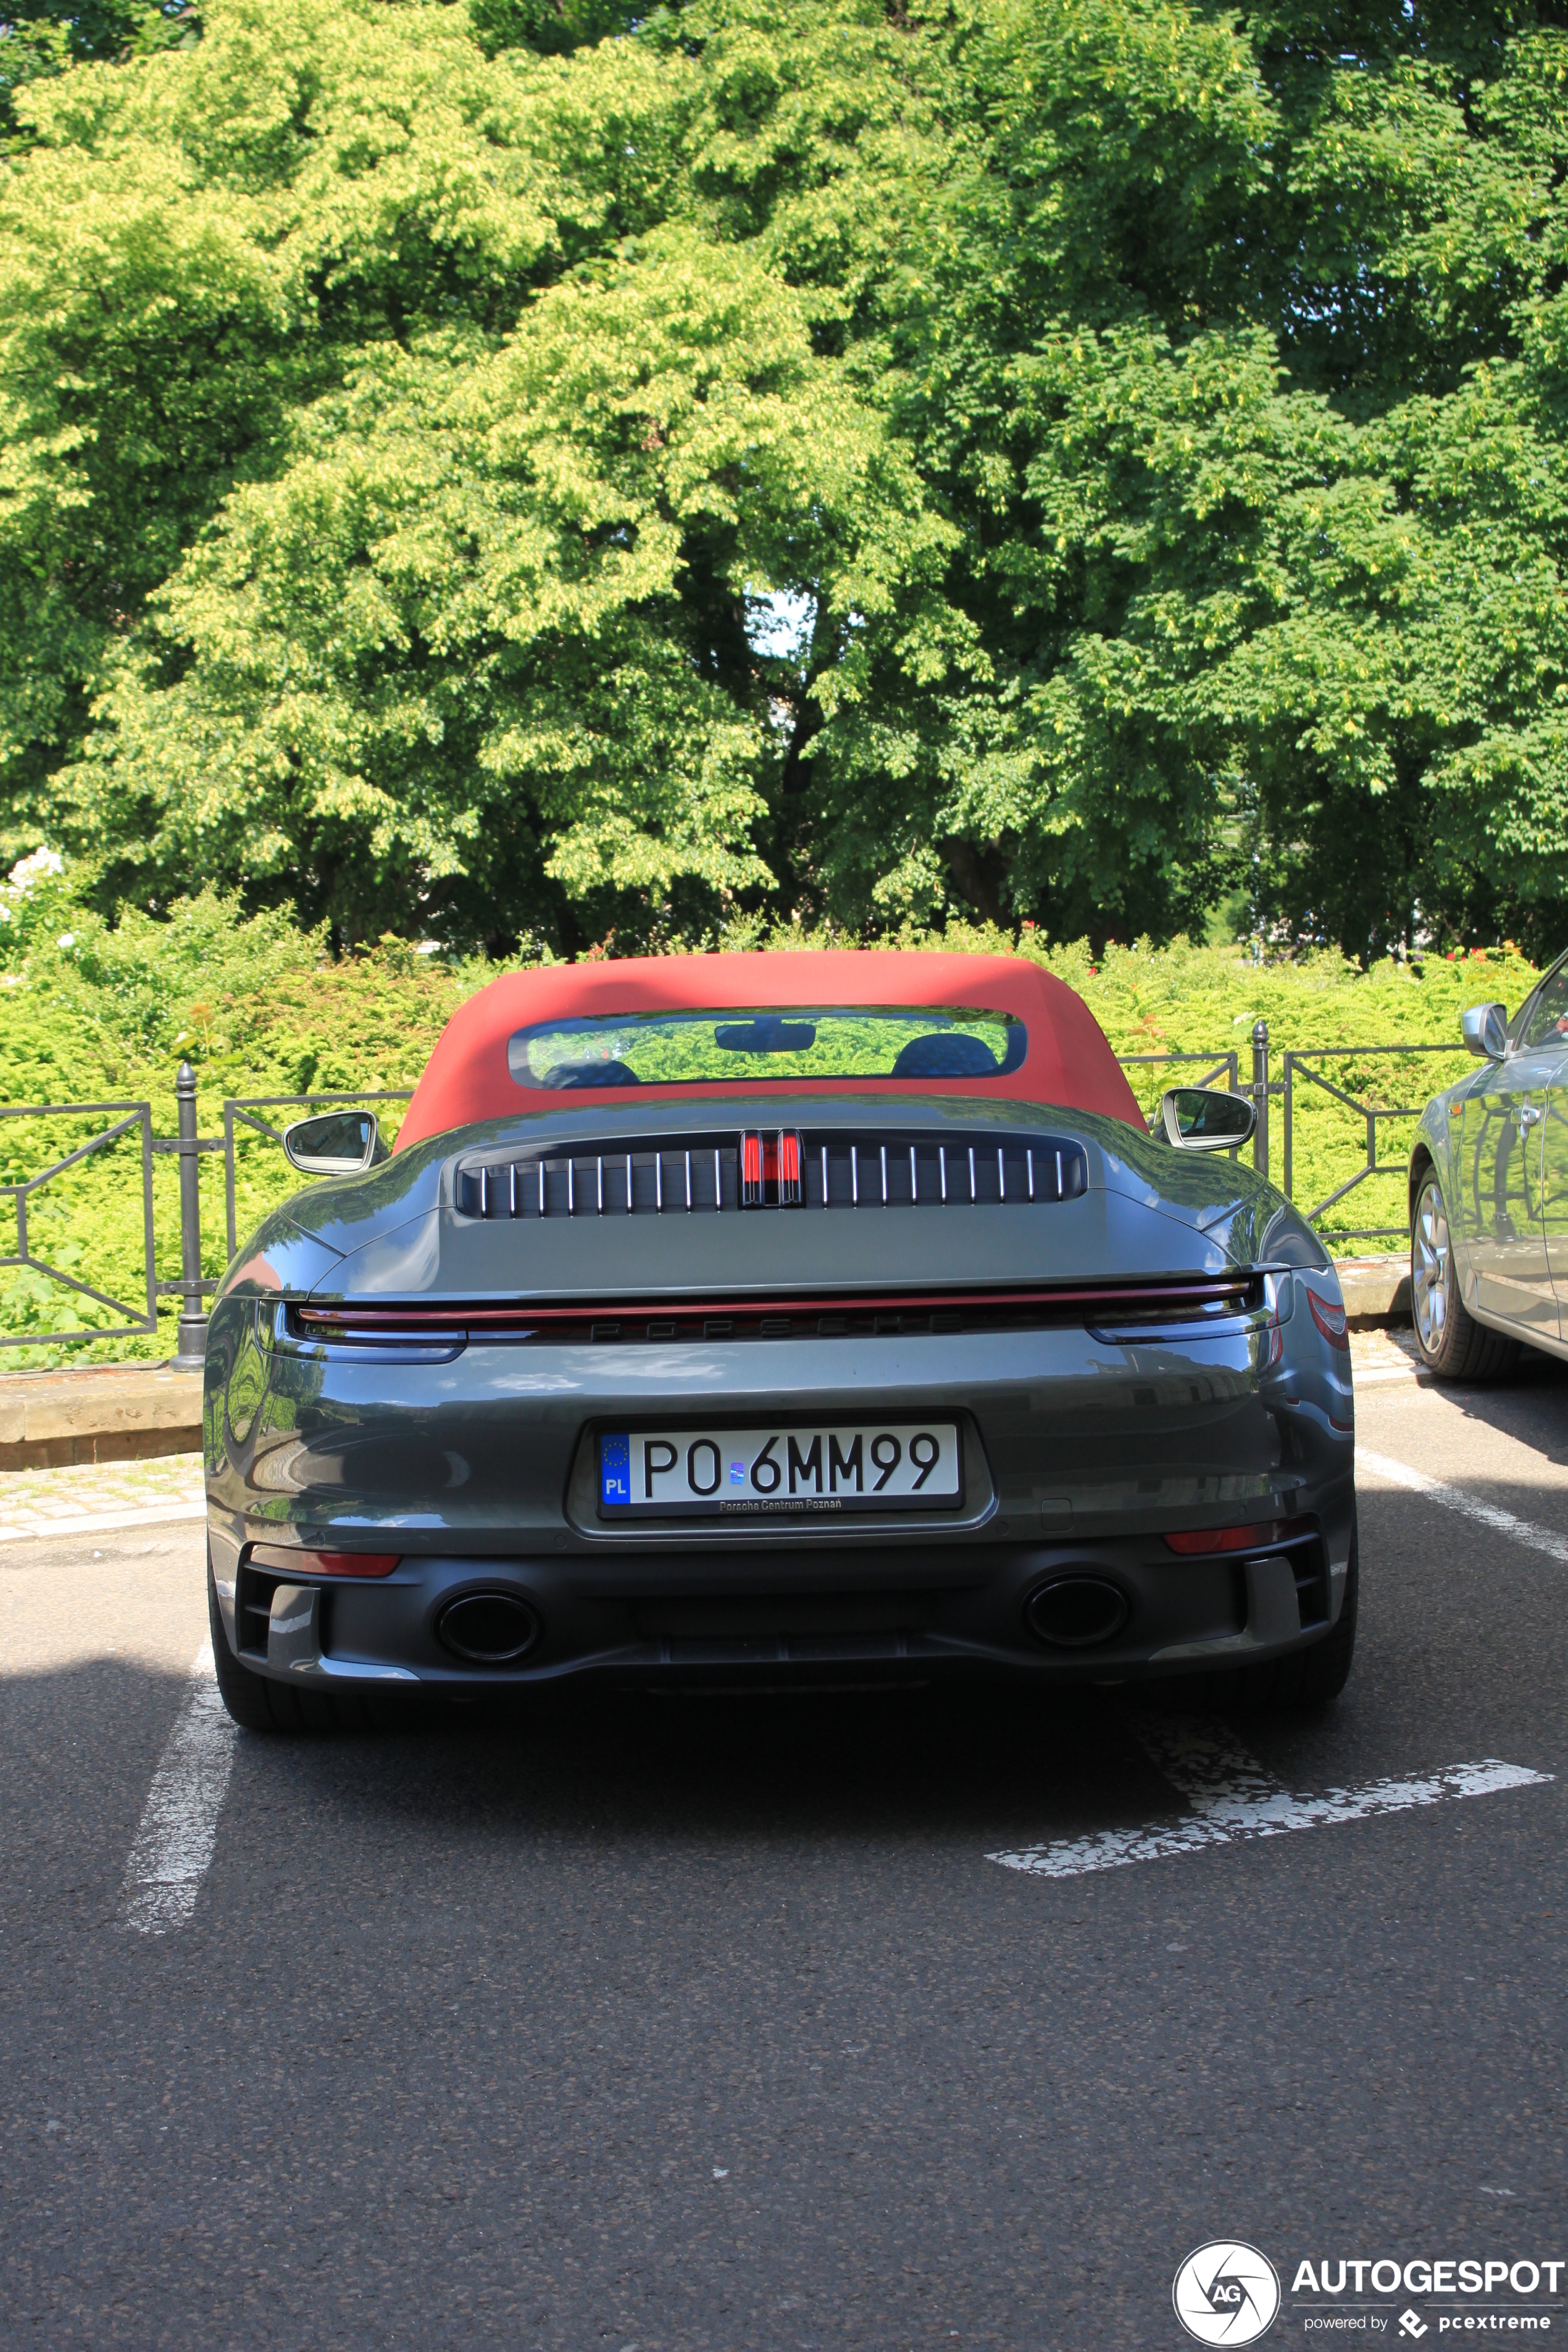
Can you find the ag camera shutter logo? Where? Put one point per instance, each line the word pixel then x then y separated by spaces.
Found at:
pixel 1226 2293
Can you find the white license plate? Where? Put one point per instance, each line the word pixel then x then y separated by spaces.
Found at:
pixel 899 1466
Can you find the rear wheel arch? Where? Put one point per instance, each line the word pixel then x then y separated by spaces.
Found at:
pixel 1310 1676
pixel 256 1703
pixel 1423 1161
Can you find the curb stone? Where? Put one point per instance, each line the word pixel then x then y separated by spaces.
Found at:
pixel 99 1412
pixel 1376 1289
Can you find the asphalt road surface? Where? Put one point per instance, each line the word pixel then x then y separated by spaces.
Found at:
pixel 681 2023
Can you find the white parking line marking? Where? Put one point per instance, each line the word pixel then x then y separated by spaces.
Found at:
pixel 179 1821
pixel 81 1523
pixel 1234 1798
pixel 1469 1507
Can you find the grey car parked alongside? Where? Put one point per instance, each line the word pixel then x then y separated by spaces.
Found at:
pixel 1489 1193
pixel 855 1371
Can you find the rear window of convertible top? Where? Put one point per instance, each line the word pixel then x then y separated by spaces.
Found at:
pixel 746 1042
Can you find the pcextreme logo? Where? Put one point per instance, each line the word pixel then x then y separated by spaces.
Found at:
pixel 1226 2293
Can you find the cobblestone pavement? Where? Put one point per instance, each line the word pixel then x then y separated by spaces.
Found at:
pixel 1379 1356
pixel 36 1502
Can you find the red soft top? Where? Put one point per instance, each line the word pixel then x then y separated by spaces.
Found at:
pixel 1068 1061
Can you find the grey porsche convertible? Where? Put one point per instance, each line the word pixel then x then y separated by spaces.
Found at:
pixel 728 1321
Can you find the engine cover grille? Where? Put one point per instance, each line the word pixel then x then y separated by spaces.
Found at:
pixel 776 1167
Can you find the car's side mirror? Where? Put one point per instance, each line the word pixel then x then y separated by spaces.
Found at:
pixel 1206 1118
pixel 337 1143
pixel 1484 1028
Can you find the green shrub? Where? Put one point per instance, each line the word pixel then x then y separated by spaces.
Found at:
pixel 100 1015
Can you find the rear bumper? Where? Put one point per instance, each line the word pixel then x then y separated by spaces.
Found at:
pixel 830 1614
pixel 1082 1448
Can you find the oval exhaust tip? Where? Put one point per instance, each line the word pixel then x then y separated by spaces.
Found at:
pixel 488 1629
pixel 1076 1612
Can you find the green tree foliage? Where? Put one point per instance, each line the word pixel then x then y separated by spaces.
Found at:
pixel 558 468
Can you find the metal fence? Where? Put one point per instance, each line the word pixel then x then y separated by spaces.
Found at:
pixel 131 1122
pixel 137 1316
pixel 1298 1069
pixel 130 1127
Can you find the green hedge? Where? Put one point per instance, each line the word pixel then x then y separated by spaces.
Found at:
pixel 94 1014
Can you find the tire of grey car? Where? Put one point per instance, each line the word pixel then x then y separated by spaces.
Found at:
pixel 243 1693
pixel 258 1703
pixel 1307 1678
pixel 1452 1343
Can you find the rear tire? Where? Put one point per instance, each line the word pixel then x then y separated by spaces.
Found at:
pixel 1453 1345
pixel 1306 1678
pixel 258 1703
pixel 243 1693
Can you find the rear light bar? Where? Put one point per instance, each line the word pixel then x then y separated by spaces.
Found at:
pixel 609 1319
pixel 1205 1541
pixel 284 1560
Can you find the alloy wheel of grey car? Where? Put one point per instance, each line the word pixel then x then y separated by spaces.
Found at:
pixel 1451 1342
pixel 1431 1269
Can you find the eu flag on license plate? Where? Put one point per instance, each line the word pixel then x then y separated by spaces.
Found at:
pixel 614 1470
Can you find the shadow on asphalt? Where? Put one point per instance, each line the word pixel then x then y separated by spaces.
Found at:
pixel 838 1767
pixel 1530 1406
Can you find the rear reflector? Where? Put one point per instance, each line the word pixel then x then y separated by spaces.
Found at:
pixel 1248 1539
pixel 291 1561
